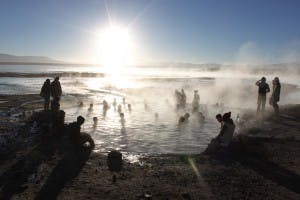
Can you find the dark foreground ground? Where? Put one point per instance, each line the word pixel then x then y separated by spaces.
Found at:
pixel 263 162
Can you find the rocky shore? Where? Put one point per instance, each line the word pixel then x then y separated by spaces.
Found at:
pixel 262 163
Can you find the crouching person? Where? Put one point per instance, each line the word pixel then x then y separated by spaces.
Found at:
pixel 227 130
pixel 79 139
pixel 226 133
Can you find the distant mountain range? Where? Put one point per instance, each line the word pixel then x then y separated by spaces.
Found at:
pixel 12 59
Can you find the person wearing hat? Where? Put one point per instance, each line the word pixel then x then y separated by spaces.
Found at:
pixel 263 89
pixel 275 96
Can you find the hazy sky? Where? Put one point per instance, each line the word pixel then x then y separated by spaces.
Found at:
pixel 222 31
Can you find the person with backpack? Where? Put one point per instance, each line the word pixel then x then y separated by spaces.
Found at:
pixel 275 96
pixel 45 93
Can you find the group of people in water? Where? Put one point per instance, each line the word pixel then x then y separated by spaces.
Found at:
pixel 180 98
pixel 53 89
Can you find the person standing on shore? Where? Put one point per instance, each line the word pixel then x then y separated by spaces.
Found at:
pixel 263 89
pixel 275 96
pixel 56 93
pixel 45 93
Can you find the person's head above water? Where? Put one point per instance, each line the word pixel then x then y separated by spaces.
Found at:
pixel 47 80
pixel 263 79
pixel 219 117
pixel 80 120
pixel 186 115
pixel 95 119
pixel 56 78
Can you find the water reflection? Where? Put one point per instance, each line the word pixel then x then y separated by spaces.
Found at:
pixel 144 131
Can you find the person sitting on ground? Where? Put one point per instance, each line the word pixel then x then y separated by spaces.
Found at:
pixel 45 93
pixel 227 129
pixel 78 139
pixel 225 135
pixel 219 119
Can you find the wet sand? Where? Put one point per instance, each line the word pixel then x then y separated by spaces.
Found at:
pixel 262 163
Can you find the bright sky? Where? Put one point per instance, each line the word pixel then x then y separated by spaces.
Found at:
pixel 219 31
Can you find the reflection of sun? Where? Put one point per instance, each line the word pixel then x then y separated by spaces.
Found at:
pixel 115 49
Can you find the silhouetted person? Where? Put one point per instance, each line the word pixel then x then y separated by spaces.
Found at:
pixel 119 108
pixel 275 96
pixel 200 117
pixel 196 101
pixel 95 120
pixel 78 138
pixel 156 116
pixel 184 118
pixel 227 129
pixel 124 101
pixel 115 103
pixel 56 93
pixel 122 120
pixel 177 98
pixel 183 98
pixel 129 107
pixel 91 107
pixel 80 103
pixel 225 135
pixel 219 118
pixel 45 93
pixel 105 105
pixel 263 89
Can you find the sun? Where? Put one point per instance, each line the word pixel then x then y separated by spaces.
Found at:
pixel 115 49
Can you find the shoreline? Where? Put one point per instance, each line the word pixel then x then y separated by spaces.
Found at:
pixel 254 168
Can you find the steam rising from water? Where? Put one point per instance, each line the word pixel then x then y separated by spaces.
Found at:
pixel 229 85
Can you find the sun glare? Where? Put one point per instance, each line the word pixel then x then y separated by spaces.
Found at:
pixel 115 49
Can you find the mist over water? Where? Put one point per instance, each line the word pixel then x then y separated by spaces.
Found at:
pixel 141 133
